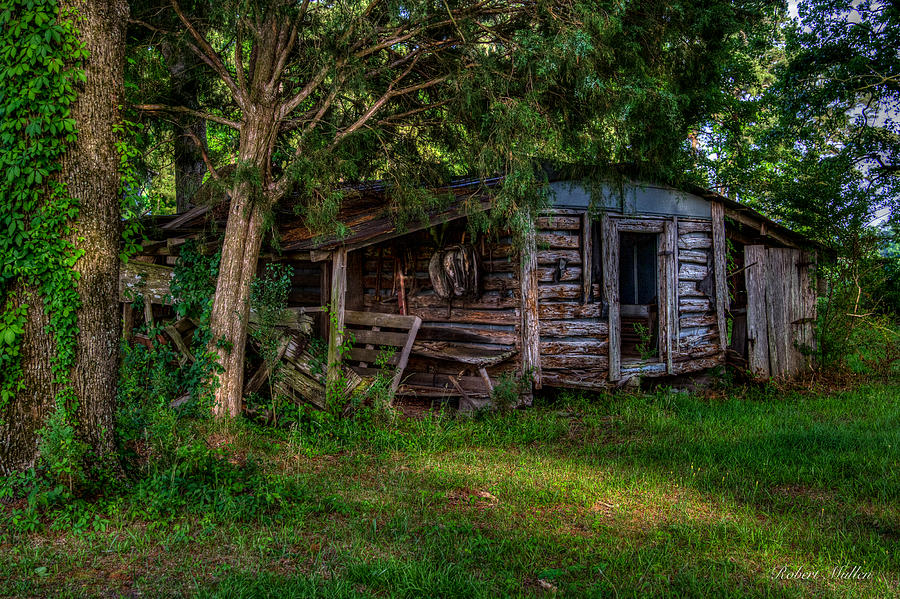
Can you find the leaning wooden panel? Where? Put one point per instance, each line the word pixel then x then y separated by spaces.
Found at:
pixel 529 327
pixel 757 322
pixel 668 311
pixel 610 249
pixel 721 286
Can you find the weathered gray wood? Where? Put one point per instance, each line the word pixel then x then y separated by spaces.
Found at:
pixel 404 354
pixel 560 291
pixel 594 328
pixel 692 304
pixel 554 256
pixel 578 345
pixel 689 289
pixel 338 309
pixel 465 316
pixel 686 227
pixel 566 361
pixel 570 310
pixel 172 332
pixel 505 336
pixel 461 353
pixel 529 331
pixel 587 249
pixel 631 225
pixel 694 256
pixel 759 225
pixel 151 281
pixel 721 283
pixel 378 319
pixel 293 318
pixel 558 223
pixel 699 320
pixel 775 312
pixel 610 249
pixel 546 239
pixel 692 272
pixel 694 241
pixel 757 326
pixel 668 293
pixel 379 337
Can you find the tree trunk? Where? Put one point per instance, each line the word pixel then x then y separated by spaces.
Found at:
pixel 184 76
pixel 27 410
pixel 240 254
pixel 91 171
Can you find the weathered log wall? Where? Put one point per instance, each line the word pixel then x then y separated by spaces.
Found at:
pixel 698 345
pixel 574 329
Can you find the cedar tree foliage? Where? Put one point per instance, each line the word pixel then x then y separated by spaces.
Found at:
pixel 313 95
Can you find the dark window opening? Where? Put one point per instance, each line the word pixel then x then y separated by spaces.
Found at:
pixel 637 268
pixel 638 295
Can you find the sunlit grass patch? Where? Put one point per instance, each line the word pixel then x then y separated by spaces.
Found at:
pixel 629 496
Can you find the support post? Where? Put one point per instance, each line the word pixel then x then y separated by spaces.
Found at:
pixel 336 318
pixel 610 248
pixel 530 324
pixel 721 285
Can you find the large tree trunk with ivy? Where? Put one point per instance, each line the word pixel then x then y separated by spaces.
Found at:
pixel 25 413
pixel 91 172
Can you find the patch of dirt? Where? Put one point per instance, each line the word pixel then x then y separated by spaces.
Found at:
pixel 472 497
pixel 800 491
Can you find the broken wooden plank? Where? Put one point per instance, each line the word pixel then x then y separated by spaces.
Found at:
pixel 404 354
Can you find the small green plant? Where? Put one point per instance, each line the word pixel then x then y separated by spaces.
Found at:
pixel 509 389
pixel 644 345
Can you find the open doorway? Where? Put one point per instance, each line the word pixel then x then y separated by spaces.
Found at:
pixel 639 295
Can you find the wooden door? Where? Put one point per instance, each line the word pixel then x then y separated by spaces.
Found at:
pixel 781 310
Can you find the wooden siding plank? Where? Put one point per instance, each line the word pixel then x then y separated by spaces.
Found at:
pixel 586 252
pixel 721 285
pixel 529 327
pixel 757 327
pixel 610 249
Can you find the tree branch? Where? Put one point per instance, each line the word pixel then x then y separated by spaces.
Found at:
pixel 209 165
pixel 185 110
pixel 209 55
pixel 376 106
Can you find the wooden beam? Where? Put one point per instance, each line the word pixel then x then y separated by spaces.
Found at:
pixel 720 281
pixel 529 327
pixel 610 249
pixel 757 325
pixel 336 320
pixel 404 354
pixel 586 262
pixel 668 294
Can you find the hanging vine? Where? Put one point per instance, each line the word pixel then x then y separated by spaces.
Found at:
pixel 40 70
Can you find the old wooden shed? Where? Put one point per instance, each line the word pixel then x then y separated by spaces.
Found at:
pixel 629 281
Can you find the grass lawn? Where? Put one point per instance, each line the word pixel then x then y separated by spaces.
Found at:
pixel 621 496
